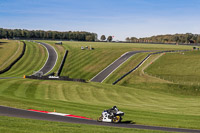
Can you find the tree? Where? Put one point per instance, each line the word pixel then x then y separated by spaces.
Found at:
pixel 103 37
pixel 198 39
pixel 89 38
pixel 133 39
pixel 176 38
pixel 189 37
pixel 127 39
pixel 109 39
pixel 40 34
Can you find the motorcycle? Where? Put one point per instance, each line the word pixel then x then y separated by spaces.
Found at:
pixel 112 115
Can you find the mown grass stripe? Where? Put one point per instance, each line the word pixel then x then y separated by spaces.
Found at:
pixel 31 61
pixel 24 65
pixel 31 89
pixel 16 67
pixel 11 88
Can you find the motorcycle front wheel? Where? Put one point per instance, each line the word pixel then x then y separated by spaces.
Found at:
pixel 116 119
pixel 99 119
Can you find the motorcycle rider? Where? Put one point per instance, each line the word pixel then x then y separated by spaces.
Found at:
pixel 113 110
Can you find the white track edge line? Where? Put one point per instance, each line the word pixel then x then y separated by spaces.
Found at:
pixel 46 59
pixel 108 66
pixel 56 58
pixel 55 113
pixel 117 68
pixel 142 63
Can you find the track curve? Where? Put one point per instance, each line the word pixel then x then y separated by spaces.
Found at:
pixel 13 112
pixel 100 77
pixel 51 60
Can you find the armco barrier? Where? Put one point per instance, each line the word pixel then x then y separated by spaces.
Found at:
pixel 66 78
pixel 144 61
pixel 15 61
pixel 62 63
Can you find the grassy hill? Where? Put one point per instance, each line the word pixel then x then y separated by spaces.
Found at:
pixel 177 67
pixel 143 106
pixel 85 64
pixel 34 58
pixel 9 51
pixel 145 99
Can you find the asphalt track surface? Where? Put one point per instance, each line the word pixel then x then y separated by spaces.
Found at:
pixel 100 77
pixel 51 61
pixel 13 112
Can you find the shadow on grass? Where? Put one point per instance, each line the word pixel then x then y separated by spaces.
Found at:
pixel 128 122
pixel 2 43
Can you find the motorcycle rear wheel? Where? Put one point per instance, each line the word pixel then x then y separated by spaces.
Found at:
pixel 116 119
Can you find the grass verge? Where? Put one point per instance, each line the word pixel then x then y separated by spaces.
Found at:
pixel 20 125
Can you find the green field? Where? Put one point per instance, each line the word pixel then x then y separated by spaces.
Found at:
pixel 85 64
pixel 19 125
pixel 9 51
pixel 180 68
pixel 146 95
pixel 34 58
pixel 143 106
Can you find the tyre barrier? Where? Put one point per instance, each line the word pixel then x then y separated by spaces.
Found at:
pixel 62 63
pixel 144 61
pixel 65 78
pixel 15 61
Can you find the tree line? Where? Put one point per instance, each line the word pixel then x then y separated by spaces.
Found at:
pixel 41 34
pixel 187 38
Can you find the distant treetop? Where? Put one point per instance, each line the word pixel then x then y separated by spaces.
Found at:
pixel 176 38
pixel 41 34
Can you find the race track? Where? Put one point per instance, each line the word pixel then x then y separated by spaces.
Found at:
pixel 13 112
pixel 100 77
pixel 51 60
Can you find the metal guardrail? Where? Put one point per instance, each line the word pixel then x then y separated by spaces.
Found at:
pixel 62 63
pixel 66 78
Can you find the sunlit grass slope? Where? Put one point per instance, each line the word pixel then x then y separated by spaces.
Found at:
pixel 146 81
pixel 34 58
pixel 85 64
pixel 9 51
pixel 143 106
pixel 144 99
pixel 138 76
pixel 180 68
